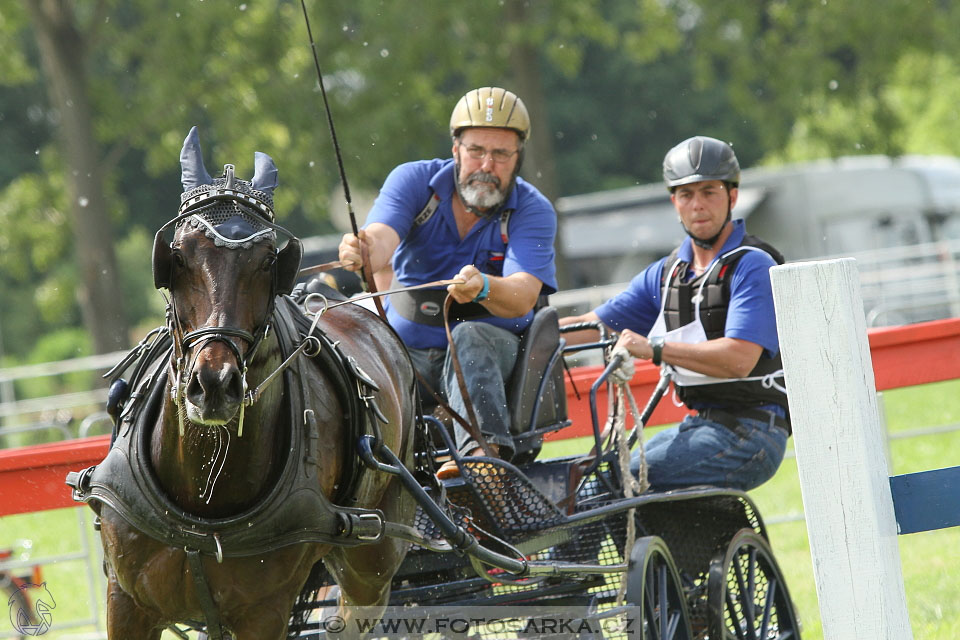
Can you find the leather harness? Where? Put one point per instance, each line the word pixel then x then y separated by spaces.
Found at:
pixel 294 511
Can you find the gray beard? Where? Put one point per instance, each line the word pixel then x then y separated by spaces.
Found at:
pixel 476 194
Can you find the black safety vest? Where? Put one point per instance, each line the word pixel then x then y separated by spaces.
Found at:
pixel 679 308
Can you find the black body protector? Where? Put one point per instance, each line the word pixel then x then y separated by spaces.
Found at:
pixel 678 310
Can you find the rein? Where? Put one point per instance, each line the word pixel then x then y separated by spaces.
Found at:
pixel 471 424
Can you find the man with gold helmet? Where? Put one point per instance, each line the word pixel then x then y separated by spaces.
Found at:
pixel 469 217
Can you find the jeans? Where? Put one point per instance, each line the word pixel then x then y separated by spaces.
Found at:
pixel 487 356
pixel 700 451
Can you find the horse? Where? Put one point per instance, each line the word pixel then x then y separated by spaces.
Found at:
pixel 211 436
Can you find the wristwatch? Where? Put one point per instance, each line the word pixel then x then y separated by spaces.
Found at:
pixel 657 345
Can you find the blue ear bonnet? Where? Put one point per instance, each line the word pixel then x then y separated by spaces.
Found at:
pixel 231 211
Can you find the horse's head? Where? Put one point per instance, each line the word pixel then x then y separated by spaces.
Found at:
pixel 223 269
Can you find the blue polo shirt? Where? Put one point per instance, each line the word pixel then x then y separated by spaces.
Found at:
pixel 750 315
pixel 434 251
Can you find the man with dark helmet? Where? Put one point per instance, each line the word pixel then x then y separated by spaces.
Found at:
pixel 706 312
pixel 469 217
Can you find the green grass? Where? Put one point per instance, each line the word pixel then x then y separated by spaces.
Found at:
pixel 931 560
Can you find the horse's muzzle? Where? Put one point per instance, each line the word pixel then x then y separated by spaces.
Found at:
pixel 214 394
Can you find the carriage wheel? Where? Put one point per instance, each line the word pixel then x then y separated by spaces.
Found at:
pixel 653 584
pixel 747 597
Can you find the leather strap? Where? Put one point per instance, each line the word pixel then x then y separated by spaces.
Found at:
pixel 425 306
pixel 210 611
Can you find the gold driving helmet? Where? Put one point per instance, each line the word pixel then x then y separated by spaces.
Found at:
pixel 491 107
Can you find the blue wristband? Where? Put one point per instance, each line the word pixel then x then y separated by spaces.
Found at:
pixel 485 291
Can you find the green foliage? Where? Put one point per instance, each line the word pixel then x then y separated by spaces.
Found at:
pixel 60 344
pixel 37 279
pixel 623 80
pixel 15 70
pixel 925 93
pixel 816 72
pixel 144 304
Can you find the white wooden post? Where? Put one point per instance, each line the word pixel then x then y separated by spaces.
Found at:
pixel 839 441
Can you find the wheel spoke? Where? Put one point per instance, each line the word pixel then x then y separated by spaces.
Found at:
pixel 768 606
pixel 732 609
pixel 746 596
pixel 752 594
pixel 672 627
pixel 663 598
pixel 650 604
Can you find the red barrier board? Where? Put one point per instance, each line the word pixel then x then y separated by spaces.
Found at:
pixel 32 478
pixel 916 353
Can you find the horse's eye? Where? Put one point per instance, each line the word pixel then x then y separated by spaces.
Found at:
pixel 179 260
pixel 268 263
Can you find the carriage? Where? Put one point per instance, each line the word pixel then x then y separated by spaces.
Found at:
pixel 569 532
pixel 270 443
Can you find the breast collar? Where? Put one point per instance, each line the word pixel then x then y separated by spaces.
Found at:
pixel 294 511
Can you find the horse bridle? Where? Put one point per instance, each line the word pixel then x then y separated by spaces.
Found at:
pixel 198 339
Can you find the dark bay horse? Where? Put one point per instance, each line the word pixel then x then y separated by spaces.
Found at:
pixel 228 449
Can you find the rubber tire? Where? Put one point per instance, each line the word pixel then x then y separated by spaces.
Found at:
pixel 737 607
pixel 653 584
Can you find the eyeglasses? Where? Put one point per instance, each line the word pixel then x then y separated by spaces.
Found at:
pixel 479 153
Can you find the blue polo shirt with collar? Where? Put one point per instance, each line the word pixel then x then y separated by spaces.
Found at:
pixel 434 251
pixel 750 316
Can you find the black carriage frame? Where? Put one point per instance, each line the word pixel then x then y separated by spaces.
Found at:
pixel 554 532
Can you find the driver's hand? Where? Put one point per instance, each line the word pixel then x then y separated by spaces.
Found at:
pixel 349 250
pixel 623 373
pixel 471 286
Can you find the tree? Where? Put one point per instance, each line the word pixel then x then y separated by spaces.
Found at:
pixel 63 54
pixel 818 73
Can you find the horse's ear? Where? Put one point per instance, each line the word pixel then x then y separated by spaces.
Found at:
pixel 192 172
pixel 161 261
pixel 288 266
pixel 264 173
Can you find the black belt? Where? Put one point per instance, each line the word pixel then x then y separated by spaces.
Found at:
pixel 425 306
pixel 730 421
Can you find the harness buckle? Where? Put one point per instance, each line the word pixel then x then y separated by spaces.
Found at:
pixel 378 523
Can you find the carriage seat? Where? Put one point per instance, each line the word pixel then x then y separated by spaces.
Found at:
pixel 536 395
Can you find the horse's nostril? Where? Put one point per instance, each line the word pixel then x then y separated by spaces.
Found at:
pixel 233 387
pixel 195 389
pixel 211 388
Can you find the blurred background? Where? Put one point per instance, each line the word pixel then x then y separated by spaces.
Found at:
pixel 97 96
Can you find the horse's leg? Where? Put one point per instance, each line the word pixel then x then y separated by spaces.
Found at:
pixel 126 620
pixel 364 573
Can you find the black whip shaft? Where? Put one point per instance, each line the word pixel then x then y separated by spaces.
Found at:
pixel 333 131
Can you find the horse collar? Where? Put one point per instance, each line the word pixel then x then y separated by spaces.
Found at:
pixel 294 511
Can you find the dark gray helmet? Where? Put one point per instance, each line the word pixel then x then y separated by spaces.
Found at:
pixel 698 159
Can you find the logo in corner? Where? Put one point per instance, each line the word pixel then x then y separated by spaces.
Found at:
pixel 33 621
